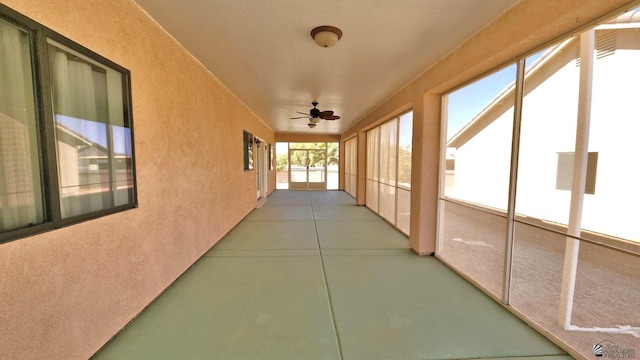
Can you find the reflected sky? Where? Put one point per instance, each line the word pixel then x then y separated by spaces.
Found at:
pixel 96 132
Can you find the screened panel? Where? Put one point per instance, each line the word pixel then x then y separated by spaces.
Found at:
pixel 472 241
pixel 388 151
pixel 21 197
pixel 404 210
pixel 404 150
pixel 373 193
pixel 351 166
pixel 613 134
pixel 549 117
pixel 479 128
pixel 373 153
pixel 389 159
pixel 388 202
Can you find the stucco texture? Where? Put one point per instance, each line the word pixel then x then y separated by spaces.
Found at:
pixel 64 293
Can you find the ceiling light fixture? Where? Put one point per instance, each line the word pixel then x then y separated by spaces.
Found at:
pixel 326 36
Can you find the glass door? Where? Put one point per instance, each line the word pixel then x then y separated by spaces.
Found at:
pixel 308 168
pixel 298 169
pixel 317 169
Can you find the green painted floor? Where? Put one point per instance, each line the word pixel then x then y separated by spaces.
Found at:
pixel 310 275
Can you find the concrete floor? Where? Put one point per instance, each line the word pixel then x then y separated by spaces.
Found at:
pixel 310 275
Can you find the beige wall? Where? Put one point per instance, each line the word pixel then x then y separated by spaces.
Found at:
pixel 64 293
pixel 526 27
pixel 288 137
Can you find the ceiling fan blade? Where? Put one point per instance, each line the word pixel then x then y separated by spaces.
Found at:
pixel 326 113
pixel 299 117
pixel 303 113
pixel 332 117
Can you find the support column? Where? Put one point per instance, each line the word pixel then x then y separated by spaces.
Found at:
pixel 425 174
pixel 341 164
pixel 587 45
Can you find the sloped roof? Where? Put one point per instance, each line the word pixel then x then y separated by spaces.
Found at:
pixel 630 19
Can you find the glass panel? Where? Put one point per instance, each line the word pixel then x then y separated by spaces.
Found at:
pixel 21 202
pixel 316 165
pixel 93 138
pixel 405 144
pixel 472 241
pixel 404 210
pixel 282 165
pixel 479 128
pixel 298 166
pixel 388 202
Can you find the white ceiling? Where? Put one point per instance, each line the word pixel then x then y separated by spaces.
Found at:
pixel 262 50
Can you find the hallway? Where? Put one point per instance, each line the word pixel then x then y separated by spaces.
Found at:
pixel 310 275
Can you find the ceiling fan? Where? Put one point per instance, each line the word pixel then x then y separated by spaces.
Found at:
pixel 315 115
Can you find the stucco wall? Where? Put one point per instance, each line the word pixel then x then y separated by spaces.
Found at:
pixel 64 293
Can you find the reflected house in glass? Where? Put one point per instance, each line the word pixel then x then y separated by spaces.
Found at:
pixel 86 161
pixel 548 137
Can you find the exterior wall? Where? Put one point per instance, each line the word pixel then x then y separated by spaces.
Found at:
pixel 527 26
pixel 66 292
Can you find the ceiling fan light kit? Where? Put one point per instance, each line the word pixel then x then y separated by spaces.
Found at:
pixel 326 36
pixel 315 115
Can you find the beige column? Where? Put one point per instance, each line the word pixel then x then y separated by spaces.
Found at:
pixel 341 163
pixel 424 174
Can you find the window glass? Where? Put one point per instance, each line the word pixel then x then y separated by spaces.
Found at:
pixel 247 146
pixel 93 136
pixel 21 198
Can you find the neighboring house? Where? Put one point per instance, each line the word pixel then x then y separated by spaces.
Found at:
pixel 549 120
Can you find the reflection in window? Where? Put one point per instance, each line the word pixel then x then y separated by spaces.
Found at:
pixel 93 137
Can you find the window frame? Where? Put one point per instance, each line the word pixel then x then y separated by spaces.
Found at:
pixel 45 126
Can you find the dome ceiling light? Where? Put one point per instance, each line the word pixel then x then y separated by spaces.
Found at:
pixel 326 36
